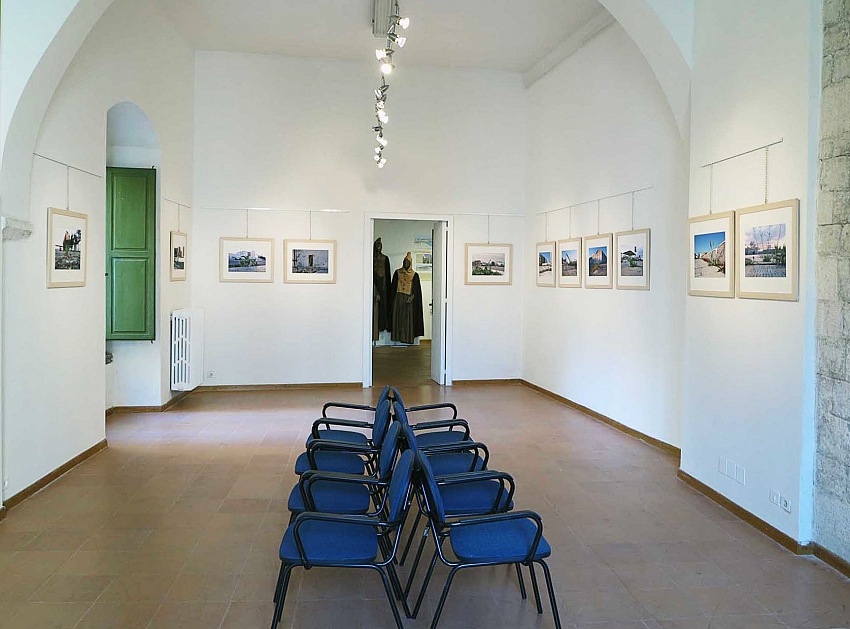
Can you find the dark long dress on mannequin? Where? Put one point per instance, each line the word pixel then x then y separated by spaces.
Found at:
pixel 408 320
pixel 381 307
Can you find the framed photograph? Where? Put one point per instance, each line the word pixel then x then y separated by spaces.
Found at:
pixel 309 261
pixel 767 251
pixel 423 264
pixel 712 268
pixel 632 249
pixel 597 252
pixel 569 263
pixel 488 264
pixel 247 260
pixel 546 263
pixel 67 237
pixel 423 242
pixel 179 240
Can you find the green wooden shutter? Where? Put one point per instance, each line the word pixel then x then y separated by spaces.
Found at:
pixel 130 253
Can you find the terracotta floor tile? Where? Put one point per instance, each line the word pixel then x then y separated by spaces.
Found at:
pixel 71 588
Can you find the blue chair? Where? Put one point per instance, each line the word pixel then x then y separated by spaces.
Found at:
pixel 447 458
pixel 350 541
pixel 436 432
pixel 378 425
pixel 331 492
pixel 490 540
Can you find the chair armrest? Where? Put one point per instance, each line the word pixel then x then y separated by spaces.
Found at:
pixel 340 446
pixel 431 407
pixel 443 423
pixel 353 407
pixel 505 517
pixel 311 477
pixel 461 446
pixel 502 478
pixel 335 421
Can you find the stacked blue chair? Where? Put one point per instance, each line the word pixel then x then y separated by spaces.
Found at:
pixel 436 432
pixel 378 425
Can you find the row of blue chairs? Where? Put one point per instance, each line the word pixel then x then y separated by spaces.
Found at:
pixel 356 490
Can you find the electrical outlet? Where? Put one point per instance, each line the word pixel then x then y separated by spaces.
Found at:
pixel 730 469
pixel 5 484
pixel 741 474
pixel 785 503
pixel 210 375
pixel 774 497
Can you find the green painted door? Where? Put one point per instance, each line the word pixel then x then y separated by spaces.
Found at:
pixel 130 253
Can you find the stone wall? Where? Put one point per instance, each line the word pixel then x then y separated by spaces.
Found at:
pixel 832 501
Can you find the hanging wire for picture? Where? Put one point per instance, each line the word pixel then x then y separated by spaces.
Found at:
pixel 67 187
pixel 546 229
pixel 633 211
pixel 711 189
pixel 247 212
pixel 311 226
pixel 766 158
pixel 570 228
pixel 387 67
pixel 598 208
pixel 488 229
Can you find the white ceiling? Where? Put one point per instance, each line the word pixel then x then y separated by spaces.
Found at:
pixel 497 34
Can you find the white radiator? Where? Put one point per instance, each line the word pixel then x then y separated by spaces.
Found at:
pixel 187 349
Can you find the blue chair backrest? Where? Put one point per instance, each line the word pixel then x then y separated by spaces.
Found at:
pixel 397 496
pixel 388 451
pixel 400 413
pixel 409 437
pixel 384 396
pixel 382 419
pixel 429 485
pixel 397 397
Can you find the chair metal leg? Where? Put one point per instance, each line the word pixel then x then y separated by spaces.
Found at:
pixel 444 596
pixel 425 583
pixel 390 597
pixel 280 595
pixel 279 581
pixel 410 538
pixel 551 589
pixel 400 595
pixel 521 581
pixel 534 586
pixel 415 565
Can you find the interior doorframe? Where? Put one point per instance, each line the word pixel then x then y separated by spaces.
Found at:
pixel 368 253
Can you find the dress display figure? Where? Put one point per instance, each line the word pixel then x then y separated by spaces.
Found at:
pixel 408 320
pixel 381 308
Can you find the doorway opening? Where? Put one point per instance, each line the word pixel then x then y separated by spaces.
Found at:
pixel 408 298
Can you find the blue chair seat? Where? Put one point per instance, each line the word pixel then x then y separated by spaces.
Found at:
pixel 473 498
pixel 330 461
pixel 345 436
pixel 455 463
pixel 497 542
pixel 439 437
pixel 330 497
pixel 330 543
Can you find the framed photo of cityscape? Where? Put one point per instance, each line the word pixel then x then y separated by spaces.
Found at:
pixel 309 261
pixel 179 242
pixel 766 251
pixel 632 251
pixel 488 264
pixel 568 263
pixel 711 262
pixel 247 260
pixel 546 263
pixel 67 237
pixel 597 257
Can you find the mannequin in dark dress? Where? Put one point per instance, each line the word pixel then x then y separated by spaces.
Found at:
pixel 381 310
pixel 408 320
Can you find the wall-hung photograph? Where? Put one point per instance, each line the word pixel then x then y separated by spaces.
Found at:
pixel 766 251
pixel 488 264
pixel 179 242
pixel 569 264
pixel 66 248
pixel 247 260
pixel 597 258
pixel 309 261
pixel 632 268
pixel 711 268
pixel 545 264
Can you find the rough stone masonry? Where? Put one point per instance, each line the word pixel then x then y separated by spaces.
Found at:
pixel 832 483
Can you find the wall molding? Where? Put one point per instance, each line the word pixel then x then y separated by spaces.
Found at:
pixel 277 387
pixel 44 481
pixel 464 383
pixel 3 511
pixel 149 409
pixel 831 559
pixel 613 423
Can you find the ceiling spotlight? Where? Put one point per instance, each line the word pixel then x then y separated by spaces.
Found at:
pixel 383 53
pixel 380 105
pixel 381 92
pixel 404 22
pixel 396 39
pixel 378 150
pixel 378 157
pixel 381 140
pixel 382 161
pixel 378 129
pixel 387 67
pixel 383 117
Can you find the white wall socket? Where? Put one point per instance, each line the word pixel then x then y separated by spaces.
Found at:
pixel 210 374
pixel 774 497
pixel 785 503
pixel 780 501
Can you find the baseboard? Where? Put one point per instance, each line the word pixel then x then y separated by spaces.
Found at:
pixel 491 381
pixel 149 409
pixel 756 522
pixel 277 387
pixel 652 441
pixel 43 482
pixel 831 559
pixel 3 513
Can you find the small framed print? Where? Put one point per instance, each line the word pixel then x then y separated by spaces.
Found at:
pixel 423 264
pixel 632 249
pixel 711 243
pixel 488 264
pixel 179 241
pixel 309 261
pixel 546 264
pixel 247 260
pixel 597 253
pixel 766 253
pixel 569 263
pixel 67 237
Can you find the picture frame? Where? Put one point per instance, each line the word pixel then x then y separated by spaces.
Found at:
pixel 178 267
pixel 246 260
pixel 568 263
pixel 423 263
pixel 767 251
pixel 423 242
pixel 597 261
pixel 711 271
pixel 309 261
pixel 633 251
pixel 489 264
pixel 546 263
pixel 67 243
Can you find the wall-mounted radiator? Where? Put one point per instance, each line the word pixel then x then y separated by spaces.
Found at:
pixel 187 349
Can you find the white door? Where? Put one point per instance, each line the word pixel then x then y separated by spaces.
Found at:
pixel 439 296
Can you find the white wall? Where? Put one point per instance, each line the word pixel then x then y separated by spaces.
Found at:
pixel 753 86
pixel 600 126
pixel 296 134
pixel 55 337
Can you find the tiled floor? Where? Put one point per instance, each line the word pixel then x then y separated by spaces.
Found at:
pixel 407 365
pixel 177 525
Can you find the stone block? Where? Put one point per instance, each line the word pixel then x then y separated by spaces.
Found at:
pixel 835 12
pixel 838 205
pixel 826 271
pixel 831 358
pixel 835 124
pixel 824 397
pixel 841 400
pixel 836 37
pixel 832 477
pixel 830 319
pixel 835 173
pixel 829 240
pixel 832 521
pixel 833 438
